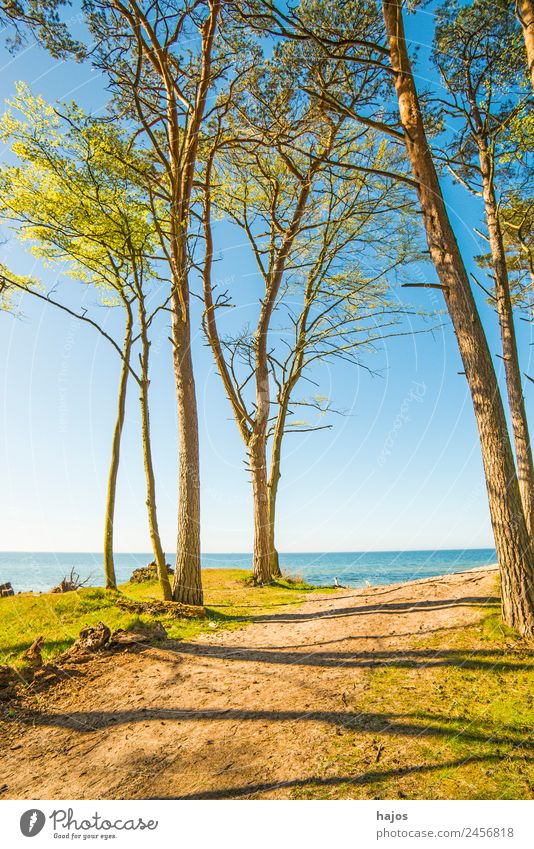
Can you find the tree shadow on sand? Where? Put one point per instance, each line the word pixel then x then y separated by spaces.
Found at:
pixel 425 725
pixel 382 608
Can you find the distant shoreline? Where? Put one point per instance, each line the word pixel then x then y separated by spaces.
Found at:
pixel 390 586
pixel 41 571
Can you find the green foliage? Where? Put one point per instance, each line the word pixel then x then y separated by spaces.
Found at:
pixel 483 36
pixel 325 206
pixel 76 193
pixel 42 19
pixel 358 224
pixel 10 293
pixel 487 107
pixel 516 214
pixel 478 50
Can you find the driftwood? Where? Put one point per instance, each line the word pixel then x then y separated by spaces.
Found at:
pixel 147 573
pixel 93 638
pixel 91 641
pixel 173 609
pixel 129 637
pixel 32 671
pixel 99 638
pixel 70 584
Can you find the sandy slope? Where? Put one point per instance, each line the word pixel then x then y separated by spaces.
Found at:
pixel 243 713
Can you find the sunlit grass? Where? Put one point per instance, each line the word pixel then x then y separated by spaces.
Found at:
pixel 230 602
pixel 450 717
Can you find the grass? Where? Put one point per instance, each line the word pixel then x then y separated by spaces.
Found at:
pixel 229 598
pixel 452 718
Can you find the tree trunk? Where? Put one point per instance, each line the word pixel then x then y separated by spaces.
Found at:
pixel 523 449
pixel 187 579
pixel 274 478
pixel 258 468
pixel 157 548
pixel 512 539
pixel 274 560
pixel 109 564
pixel 526 17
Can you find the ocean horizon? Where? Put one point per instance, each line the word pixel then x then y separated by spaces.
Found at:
pixel 40 571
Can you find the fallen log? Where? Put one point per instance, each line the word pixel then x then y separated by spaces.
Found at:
pixel 172 609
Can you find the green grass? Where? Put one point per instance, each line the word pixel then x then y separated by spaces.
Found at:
pixel 452 717
pixel 229 598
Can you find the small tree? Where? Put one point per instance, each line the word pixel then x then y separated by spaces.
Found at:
pixel 304 191
pixel 73 197
pixel 483 96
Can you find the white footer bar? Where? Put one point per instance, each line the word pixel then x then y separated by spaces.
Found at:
pixel 260 824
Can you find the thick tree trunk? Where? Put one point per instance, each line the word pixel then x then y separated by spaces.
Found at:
pixel 261 561
pixel 523 449
pixel 512 539
pixel 157 548
pixel 109 564
pixel 526 16
pixel 187 580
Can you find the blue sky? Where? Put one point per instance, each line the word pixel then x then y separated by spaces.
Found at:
pixel 401 471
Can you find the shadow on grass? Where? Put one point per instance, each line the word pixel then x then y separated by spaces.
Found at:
pixel 364 779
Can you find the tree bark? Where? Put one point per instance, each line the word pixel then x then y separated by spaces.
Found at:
pixel 261 561
pixel 274 559
pixel 109 564
pixel 280 426
pixel 187 586
pixel 512 540
pixel 523 449
pixel 274 478
pixel 525 13
pixel 157 548
pixel 183 149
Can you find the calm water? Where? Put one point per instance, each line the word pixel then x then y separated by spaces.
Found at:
pixel 43 570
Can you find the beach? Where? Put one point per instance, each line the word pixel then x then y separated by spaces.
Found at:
pixel 387 692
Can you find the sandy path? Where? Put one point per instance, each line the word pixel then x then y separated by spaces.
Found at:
pixel 245 713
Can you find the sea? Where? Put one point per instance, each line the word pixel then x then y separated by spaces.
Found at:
pixel 40 571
